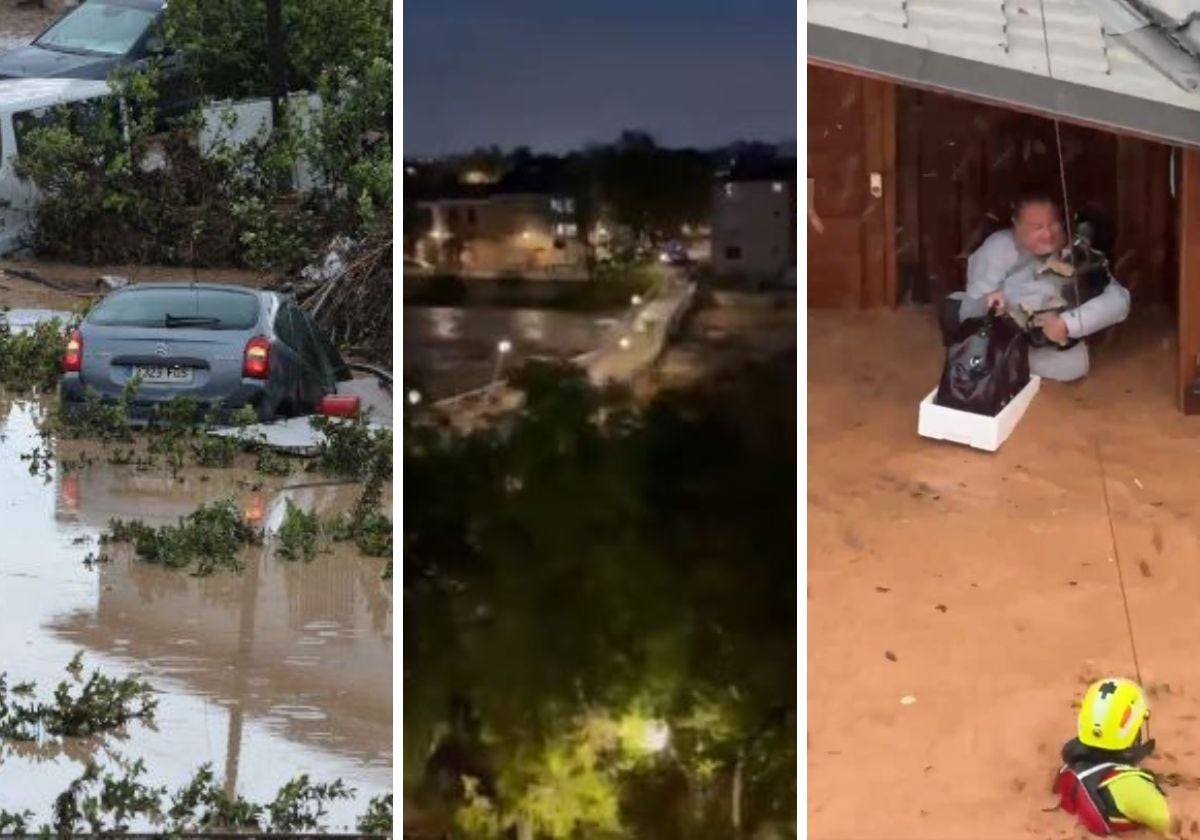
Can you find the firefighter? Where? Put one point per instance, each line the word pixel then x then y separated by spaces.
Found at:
pixel 1100 781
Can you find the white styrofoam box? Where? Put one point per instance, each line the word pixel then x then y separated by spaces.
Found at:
pixel 975 430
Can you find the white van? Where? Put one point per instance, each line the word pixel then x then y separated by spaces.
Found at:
pixel 23 104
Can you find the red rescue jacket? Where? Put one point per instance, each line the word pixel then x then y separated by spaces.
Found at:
pixel 1083 791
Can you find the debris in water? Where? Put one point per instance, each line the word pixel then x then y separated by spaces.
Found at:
pixel 883 589
pixel 102 704
pixel 941 608
pixel 1139 484
pixel 111 281
pixel 211 537
pixel 1144 567
pixel 891 657
pixel 298 534
pixel 907 700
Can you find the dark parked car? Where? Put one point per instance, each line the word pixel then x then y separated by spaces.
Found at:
pixel 224 346
pixel 97 37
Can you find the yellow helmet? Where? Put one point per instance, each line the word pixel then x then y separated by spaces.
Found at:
pixel 1112 714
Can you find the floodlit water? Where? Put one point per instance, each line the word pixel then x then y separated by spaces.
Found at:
pixel 454 350
pixel 284 669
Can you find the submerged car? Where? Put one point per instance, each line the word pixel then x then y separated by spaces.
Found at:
pixel 224 346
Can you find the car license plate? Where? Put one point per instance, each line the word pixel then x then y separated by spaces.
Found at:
pixel 164 374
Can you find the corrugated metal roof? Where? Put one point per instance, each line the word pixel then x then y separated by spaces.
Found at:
pixel 1009 34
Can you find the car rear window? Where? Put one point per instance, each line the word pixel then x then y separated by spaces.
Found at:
pixel 190 308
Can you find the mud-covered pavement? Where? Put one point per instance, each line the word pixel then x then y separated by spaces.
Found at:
pixel 282 669
pixel 20 24
pixel 984 588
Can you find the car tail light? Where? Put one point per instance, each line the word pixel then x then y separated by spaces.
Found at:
pixel 257 362
pixel 339 405
pixel 73 357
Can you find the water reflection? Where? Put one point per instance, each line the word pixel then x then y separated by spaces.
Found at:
pixel 454 349
pixel 446 323
pixel 530 325
pixel 283 669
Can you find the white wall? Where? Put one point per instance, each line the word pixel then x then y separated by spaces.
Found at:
pixel 752 228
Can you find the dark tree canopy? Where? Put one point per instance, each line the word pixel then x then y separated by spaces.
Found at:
pixel 592 571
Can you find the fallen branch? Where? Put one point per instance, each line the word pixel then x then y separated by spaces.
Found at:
pixel 34 277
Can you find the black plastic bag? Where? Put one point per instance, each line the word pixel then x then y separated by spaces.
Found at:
pixel 987 364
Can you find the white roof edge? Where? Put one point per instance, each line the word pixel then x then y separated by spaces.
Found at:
pixel 40 93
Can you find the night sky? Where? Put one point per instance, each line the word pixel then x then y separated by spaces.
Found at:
pixel 558 74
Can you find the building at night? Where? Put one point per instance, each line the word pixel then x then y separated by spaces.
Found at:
pixel 754 222
pixel 482 232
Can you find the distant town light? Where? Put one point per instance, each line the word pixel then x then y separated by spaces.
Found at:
pixel 504 347
pixel 636 300
pixel 729 190
pixel 624 342
pixel 777 186
pixel 414 397
pixel 410 170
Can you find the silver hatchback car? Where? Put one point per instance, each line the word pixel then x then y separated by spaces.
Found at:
pixel 224 346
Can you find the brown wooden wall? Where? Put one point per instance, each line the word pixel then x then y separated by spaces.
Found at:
pixel 851 131
pixel 957 165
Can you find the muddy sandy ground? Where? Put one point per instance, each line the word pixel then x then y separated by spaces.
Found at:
pixel 19 24
pixel 990 581
pixel 281 670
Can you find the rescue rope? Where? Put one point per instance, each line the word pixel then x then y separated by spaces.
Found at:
pixel 1112 528
pixel 1112 533
pixel 1062 166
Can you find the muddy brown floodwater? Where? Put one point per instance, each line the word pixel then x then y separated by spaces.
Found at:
pixel 991 581
pixel 281 670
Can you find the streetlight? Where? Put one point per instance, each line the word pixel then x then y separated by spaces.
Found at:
pixel 503 348
pixel 624 342
pixel 636 300
pixel 414 397
pixel 656 736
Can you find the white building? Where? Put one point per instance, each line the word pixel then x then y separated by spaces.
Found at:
pixel 754 226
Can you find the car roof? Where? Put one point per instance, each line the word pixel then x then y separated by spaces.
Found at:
pixel 152 5
pixel 187 284
pixel 26 94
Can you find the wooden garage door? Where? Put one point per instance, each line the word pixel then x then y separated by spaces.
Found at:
pixel 851 137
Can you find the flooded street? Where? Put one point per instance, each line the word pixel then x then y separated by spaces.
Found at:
pixel 281 670
pixel 452 350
